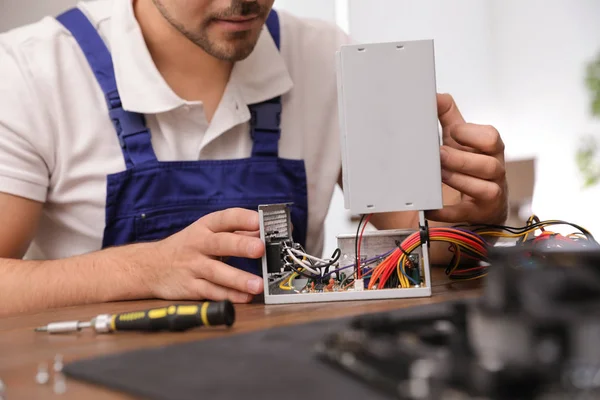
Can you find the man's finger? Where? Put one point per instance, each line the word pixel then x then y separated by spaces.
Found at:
pixel 484 139
pixel 231 220
pixel 476 188
pixel 448 112
pixel 473 164
pixel 225 244
pixel 255 234
pixel 230 277
pixel 454 214
pixel 206 290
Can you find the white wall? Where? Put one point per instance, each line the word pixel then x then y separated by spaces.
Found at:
pixel 541 50
pixel 14 13
pixel 461 31
pixel 516 64
pixel 322 9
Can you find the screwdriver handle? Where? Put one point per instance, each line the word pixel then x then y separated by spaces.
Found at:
pixel 176 318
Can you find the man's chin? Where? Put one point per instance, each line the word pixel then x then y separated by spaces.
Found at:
pixel 232 53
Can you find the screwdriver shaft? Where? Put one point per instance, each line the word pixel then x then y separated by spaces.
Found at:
pixel 64 327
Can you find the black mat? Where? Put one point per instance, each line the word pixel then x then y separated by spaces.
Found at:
pixel 273 364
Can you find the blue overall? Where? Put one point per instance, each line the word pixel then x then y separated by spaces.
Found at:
pixel 152 200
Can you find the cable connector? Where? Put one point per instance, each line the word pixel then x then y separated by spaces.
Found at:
pixel 359 285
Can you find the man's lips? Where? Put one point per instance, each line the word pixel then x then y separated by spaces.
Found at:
pixel 239 18
pixel 237 23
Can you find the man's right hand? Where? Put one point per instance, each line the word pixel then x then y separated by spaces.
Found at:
pixel 191 269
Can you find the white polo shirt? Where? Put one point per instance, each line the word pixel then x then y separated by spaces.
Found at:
pixel 57 143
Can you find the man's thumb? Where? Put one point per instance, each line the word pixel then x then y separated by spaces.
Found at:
pixel 448 111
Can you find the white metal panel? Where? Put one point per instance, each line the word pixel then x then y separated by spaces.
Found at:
pixel 348 296
pixel 425 290
pixel 389 127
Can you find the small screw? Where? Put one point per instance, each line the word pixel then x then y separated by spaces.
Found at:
pixel 58 363
pixel 60 384
pixel 42 375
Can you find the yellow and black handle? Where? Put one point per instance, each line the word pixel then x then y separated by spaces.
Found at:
pixel 176 317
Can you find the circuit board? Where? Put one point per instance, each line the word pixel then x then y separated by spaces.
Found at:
pixel 294 276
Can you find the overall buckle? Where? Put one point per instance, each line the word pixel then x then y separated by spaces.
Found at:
pixel 266 117
pixel 127 124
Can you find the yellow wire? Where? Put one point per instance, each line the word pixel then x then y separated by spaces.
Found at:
pixel 403 281
pixel 400 266
pixel 402 260
pixel 457 258
pixel 283 284
pixel 529 222
pixel 288 283
pixel 526 232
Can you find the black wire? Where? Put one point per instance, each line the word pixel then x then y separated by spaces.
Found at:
pixel 335 257
pixel 463 277
pixel 452 261
pixel 405 253
pixel 534 219
pixel 519 230
pixel 393 282
pixel 301 273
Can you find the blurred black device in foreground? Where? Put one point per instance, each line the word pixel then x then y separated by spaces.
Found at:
pixel 533 334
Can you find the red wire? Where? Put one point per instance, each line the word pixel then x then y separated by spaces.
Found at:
pixel 389 269
pixel 460 238
pixel 359 269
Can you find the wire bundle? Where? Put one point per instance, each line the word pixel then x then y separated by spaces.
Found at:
pixel 466 242
pixel 533 224
pixel 462 242
pixel 306 265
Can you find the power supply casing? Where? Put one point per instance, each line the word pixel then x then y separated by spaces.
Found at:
pixel 389 127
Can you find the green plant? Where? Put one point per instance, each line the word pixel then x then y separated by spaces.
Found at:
pixel 587 154
pixel 593 84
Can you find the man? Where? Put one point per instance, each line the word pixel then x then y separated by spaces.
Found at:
pixel 137 138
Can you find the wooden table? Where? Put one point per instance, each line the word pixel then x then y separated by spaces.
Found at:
pixel 22 350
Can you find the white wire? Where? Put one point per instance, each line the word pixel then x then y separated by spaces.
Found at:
pixel 311 257
pixel 304 264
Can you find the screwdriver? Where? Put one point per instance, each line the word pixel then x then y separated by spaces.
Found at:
pixel 173 318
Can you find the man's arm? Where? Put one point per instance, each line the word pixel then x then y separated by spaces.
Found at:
pixel 182 267
pixel 30 285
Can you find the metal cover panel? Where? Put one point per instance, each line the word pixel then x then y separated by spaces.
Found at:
pixel 389 127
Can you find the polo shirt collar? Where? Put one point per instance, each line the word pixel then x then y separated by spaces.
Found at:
pixel 261 76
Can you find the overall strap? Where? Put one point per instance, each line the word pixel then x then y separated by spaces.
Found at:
pixel 273 27
pixel 266 117
pixel 134 136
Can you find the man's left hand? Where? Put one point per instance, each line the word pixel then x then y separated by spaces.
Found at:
pixel 472 159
